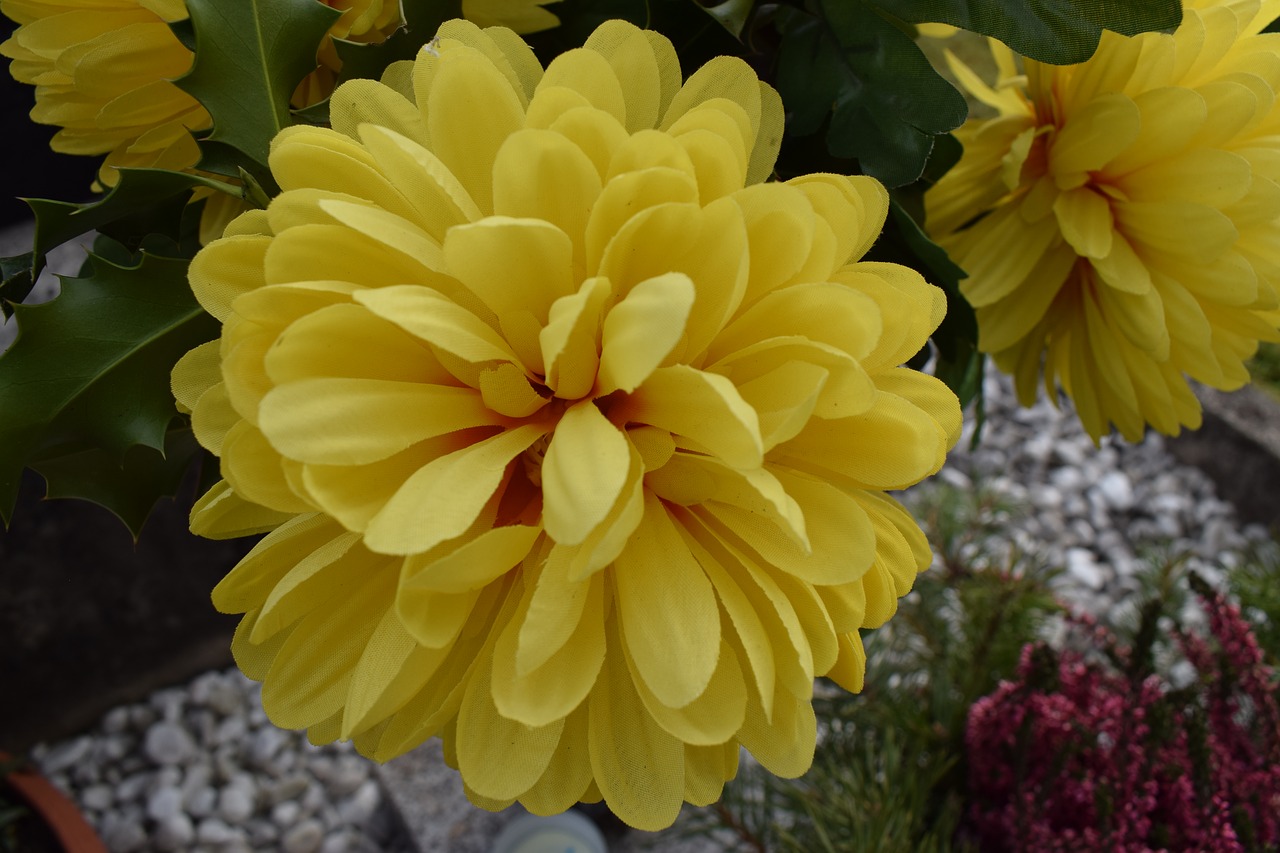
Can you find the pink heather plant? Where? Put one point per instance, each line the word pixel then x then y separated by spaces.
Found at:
pixel 1077 756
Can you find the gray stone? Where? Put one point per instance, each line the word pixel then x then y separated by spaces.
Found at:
pixel 201 802
pixel 235 804
pixel 1083 567
pixel 286 814
pixel 168 743
pixel 306 837
pixel 116 721
pixel 347 774
pixel 66 755
pixel 214 831
pixel 123 833
pixel 164 803
pixel 174 833
pixel 360 806
pixel 131 788
pixel 263 832
pixel 266 743
pixel 287 788
pixel 230 731
pixel 1117 490
pixel 99 797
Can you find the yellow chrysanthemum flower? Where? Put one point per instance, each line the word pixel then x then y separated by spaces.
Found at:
pixel 572 436
pixel 1129 236
pixel 103 70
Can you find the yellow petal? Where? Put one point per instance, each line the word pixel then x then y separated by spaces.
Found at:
pixel 1092 137
pixel 891 446
pixel 471 108
pixel 499 757
pixel 587 72
pixel 569 341
pixel 1085 219
pixel 437 196
pixel 343 421
pixel 475 564
pixel 334 341
pixel 641 331
pixel 439 321
pixel 556 687
pixel 784 744
pixel 667 609
pixel 568 776
pixel 825 313
pixel 622 736
pixel 367 102
pixel 392 669
pixel 489 256
pixel 443 498
pixel 225 269
pixel 841 540
pixel 713 717
pixel 253 468
pixel 222 514
pixel 705 409
pixel 543 175
pixel 555 608
pixel 583 473
pixel 784 400
pixel 311 581
pixel 309 679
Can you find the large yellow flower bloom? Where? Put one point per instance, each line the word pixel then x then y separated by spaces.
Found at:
pixel 572 435
pixel 1130 230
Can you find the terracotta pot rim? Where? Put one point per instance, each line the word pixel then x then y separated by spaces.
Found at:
pixel 59 813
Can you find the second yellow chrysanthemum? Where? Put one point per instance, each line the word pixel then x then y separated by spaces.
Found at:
pixel 572 436
pixel 1120 219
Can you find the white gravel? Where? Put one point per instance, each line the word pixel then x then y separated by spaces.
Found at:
pixel 199 768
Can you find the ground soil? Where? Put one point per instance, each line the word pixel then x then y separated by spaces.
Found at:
pixel 89 620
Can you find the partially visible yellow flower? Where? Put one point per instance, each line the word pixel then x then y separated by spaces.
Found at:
pixel 373 21
pixel 362 21
pixel 101 71
pixel 1120 219
pixel 572 437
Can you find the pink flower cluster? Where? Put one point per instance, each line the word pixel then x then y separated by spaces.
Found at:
pixel 1076 755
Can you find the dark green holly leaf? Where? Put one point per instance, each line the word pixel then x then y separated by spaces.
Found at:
pixel 1061 32
pixel 250 56
pixel 732 14
pixel 129 485
pixel 886 103
pixel 16 280
pixel 91 368
pixel 143 202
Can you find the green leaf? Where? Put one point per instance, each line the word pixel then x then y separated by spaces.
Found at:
pixel 732 14
pixel 129 486
pixel 16 280
pixel 91 368
pixel 145 201
pixel 884 100
pixel 1061 32
pixel 250 56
